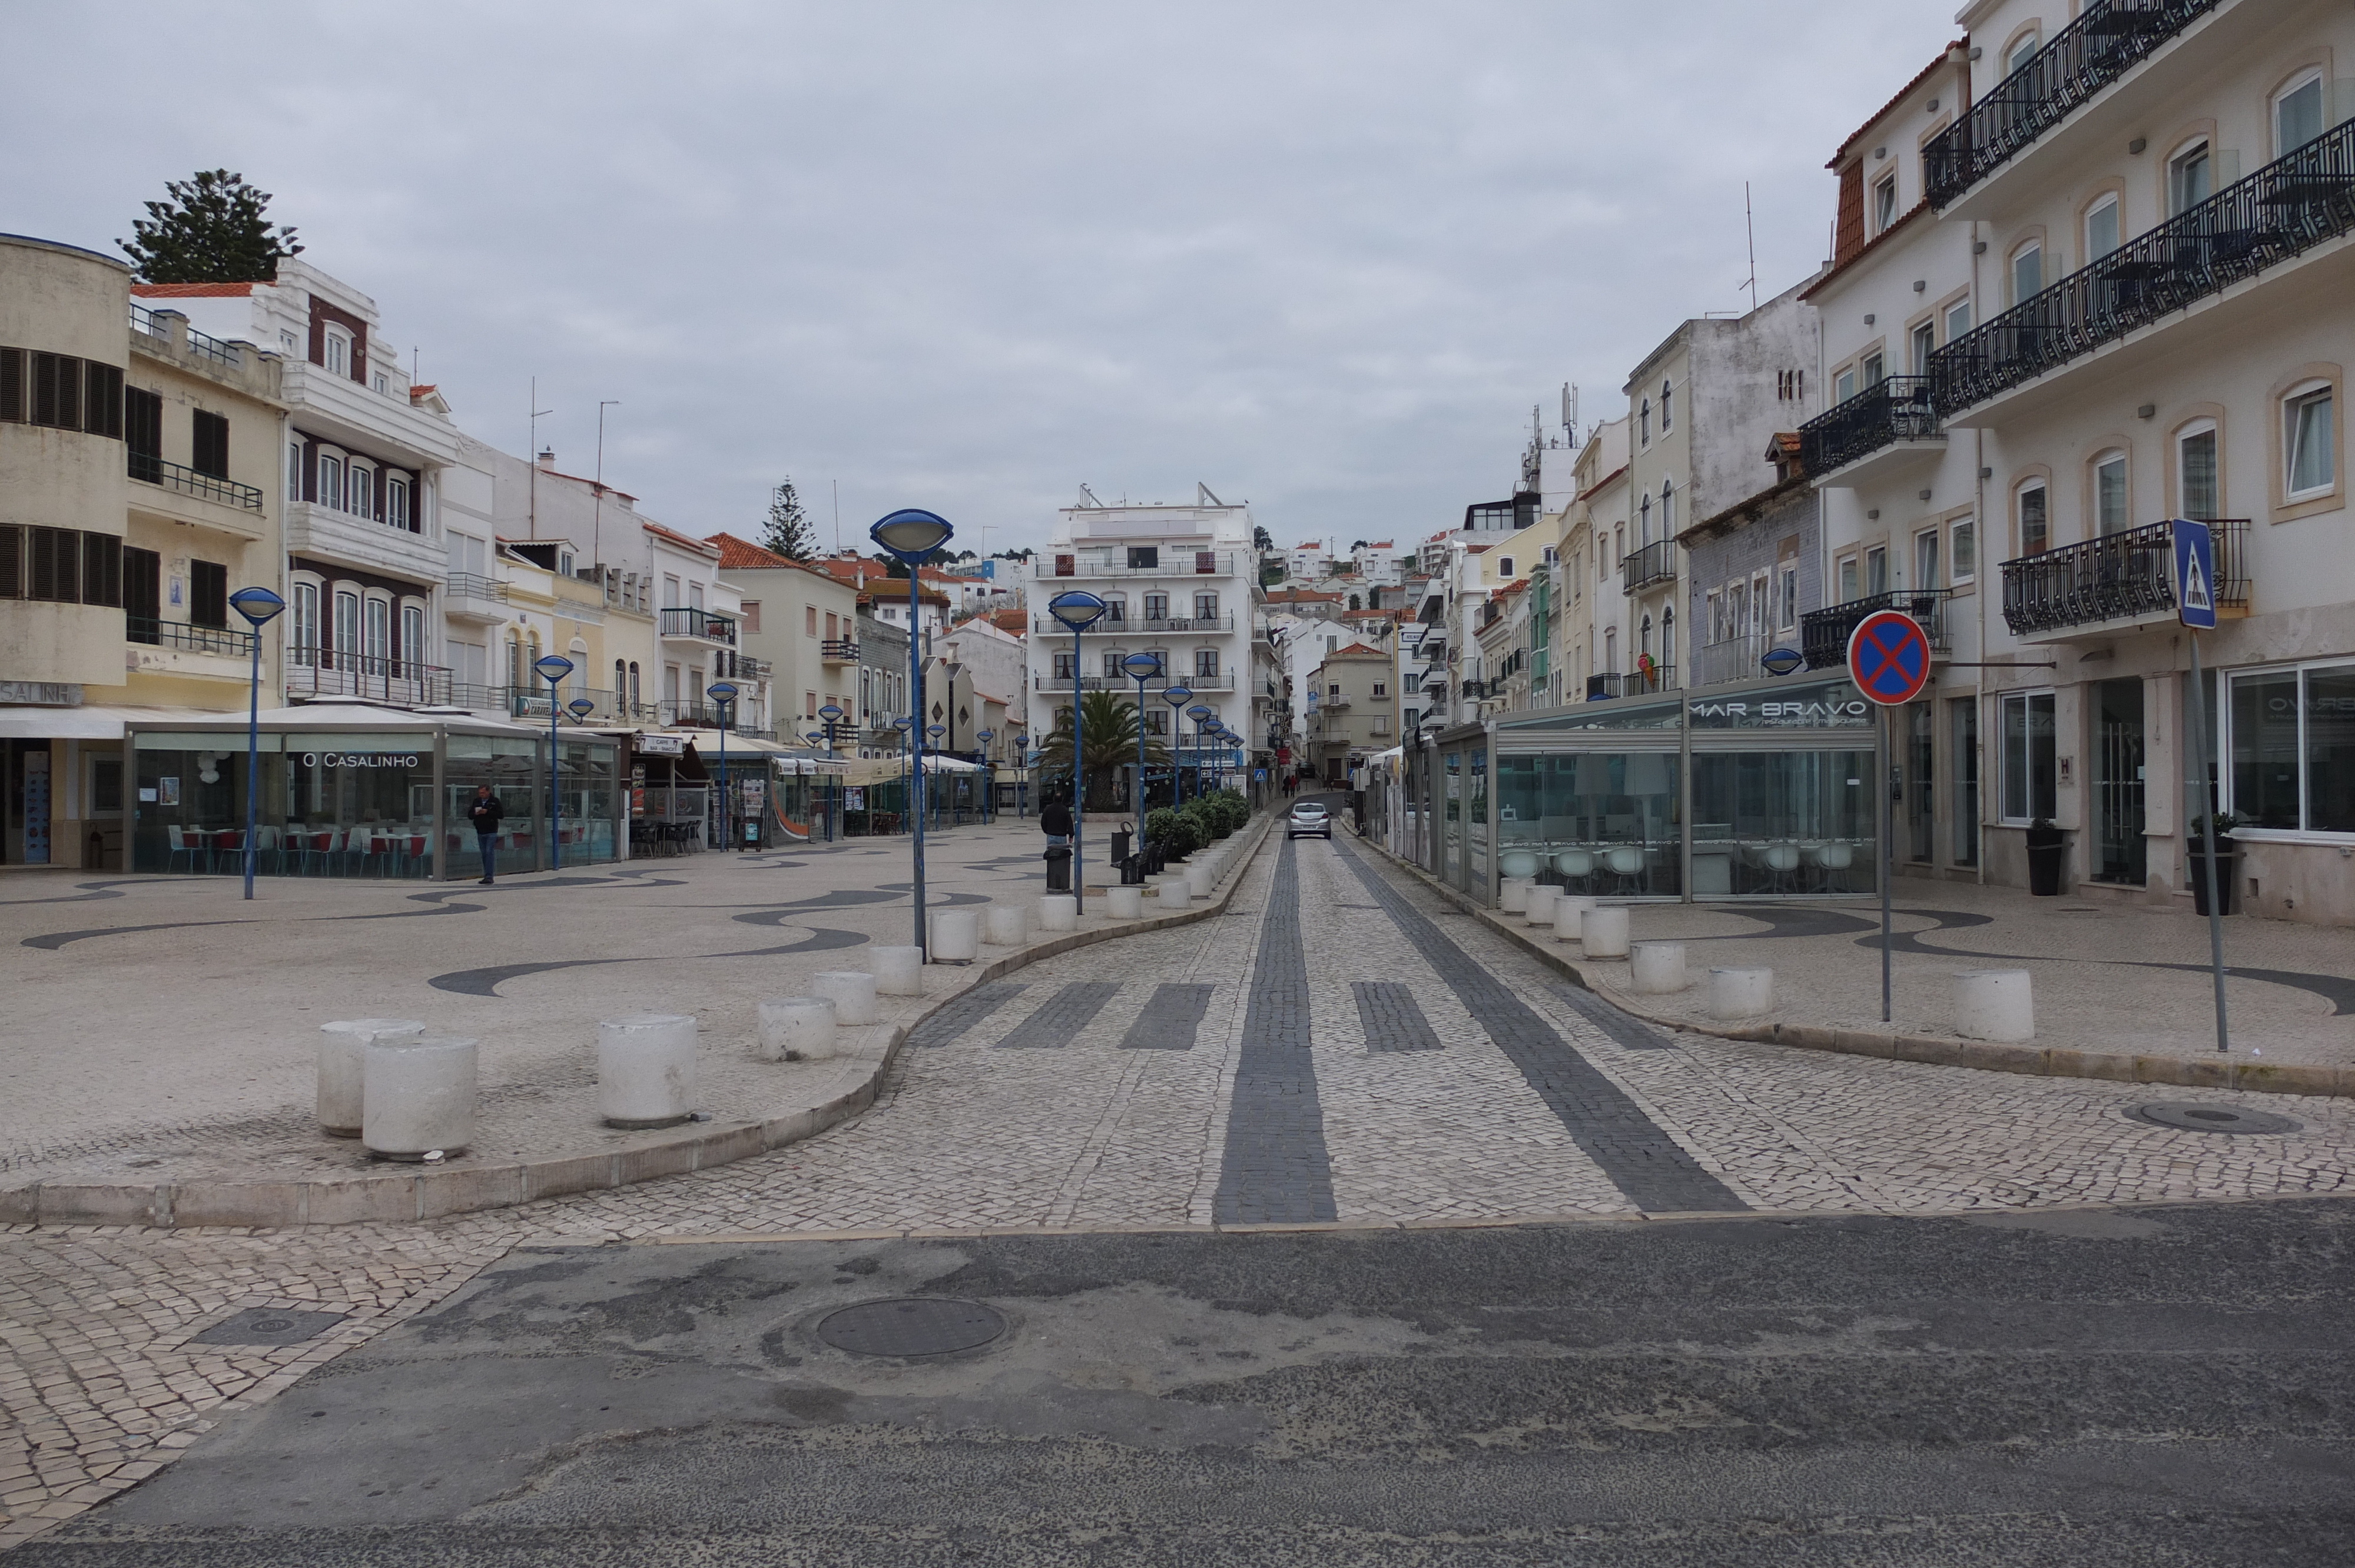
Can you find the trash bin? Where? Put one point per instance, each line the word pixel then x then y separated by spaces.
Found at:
pixel 1120 837
pixel 2048 859
pixel 1058 868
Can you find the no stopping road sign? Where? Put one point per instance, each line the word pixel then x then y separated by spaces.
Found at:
pixel 1889 657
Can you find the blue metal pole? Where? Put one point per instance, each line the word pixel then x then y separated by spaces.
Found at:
pixel 555 800
pixel 723 774
pixel 1079 772
pixel 915 730
pixel 254 764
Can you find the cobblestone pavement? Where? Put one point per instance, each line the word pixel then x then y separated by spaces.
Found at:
pixel 1278 1061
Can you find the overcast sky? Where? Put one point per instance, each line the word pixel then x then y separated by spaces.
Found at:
pixel 1324 257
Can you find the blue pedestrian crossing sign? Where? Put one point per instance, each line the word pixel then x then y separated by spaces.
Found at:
pixel 2195 574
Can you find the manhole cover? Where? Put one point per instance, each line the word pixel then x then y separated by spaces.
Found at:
pixel 2212 1119
pixel 911 1326
pixel 268 1326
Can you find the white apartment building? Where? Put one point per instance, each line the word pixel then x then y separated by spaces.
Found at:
pixel 1178 582
pixel 2121 256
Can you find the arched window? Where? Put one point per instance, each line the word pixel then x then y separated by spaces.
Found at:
pixel 1644 422
pixel 2199 491
pixel 2110 493
pixel 307 623
pixel 1667 509
pixel 2298 114
pixel 1667 407
pixel 1643 525
pixel 1669 639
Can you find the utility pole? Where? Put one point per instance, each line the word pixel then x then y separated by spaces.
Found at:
pixel 597 519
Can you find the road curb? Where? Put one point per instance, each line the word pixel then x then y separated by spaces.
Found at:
pixel 410 1194
pixel 1940 1051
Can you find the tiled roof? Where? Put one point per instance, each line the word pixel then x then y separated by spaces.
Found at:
pixel 677 538
pixel 196 291
pixel 735 552
pixel 1945 57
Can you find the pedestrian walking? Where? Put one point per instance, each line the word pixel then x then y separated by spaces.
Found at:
pixel 485 811
pixel 1056 822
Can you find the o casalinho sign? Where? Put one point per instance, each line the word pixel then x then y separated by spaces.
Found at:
pixel 360 759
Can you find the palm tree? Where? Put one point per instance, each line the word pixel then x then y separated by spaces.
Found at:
pixel 1110 726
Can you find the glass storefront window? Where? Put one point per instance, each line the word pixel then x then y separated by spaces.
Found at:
pixel 585 786
pixel 1605 822
pixel 510 766
pixel 1475 840
pixel 2030 772
pixel 1451 817
pixel 2265 749
pixel 1782 822
pixel 2330 750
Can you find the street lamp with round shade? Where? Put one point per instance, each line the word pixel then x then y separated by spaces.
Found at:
pixel 1200 714
pixel 1177 696
pixel 580 708
pixel 1141 668
pixel 552 667
pixel 905 725
pixel 984 737
pixel 258 606
pixel 909 536
pixel 832 713
pixel 1078 610
pixel 722 694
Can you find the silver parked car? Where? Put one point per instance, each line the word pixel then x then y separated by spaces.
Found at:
pixel 1310 817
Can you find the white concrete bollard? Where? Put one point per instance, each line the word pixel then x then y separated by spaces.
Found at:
pixel 1657 969
pixel 1603 931
pixel 1058 912
pixel 956 936
pixel 645 1069
pixel 1201 880
pixel 1537 904
pixel 1125 903
pixel 418 1095
pixel 852 991
pixel 800 1026
pixel 1005 925
pixel 1513 896
pixel 1176 893
pixel 1994 1004
pixel 898 971
pixel 1570 912
pixel 1741 994
pixel 343 1051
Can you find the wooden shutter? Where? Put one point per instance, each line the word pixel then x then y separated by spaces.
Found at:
pixel 57 390
pixel 143 593
pixel 11 561
pixel 143 434
pixel 56 562
pixel 210 445
pixel 207 593
pixel 102 570
pixel 12 385
pixel 101 399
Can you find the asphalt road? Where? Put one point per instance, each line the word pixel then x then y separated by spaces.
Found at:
pixel 2144 1387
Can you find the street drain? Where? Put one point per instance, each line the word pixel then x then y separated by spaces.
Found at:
pixel 912 1326
pixel 268 1326
pixel 2211 1118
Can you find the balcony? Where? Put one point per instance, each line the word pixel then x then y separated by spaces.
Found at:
pixel 1730 659
pixel 1043 682
pixel 1172 564
pixel 838 651
pixel 350 540
pixel 471 598
pixel 1824 633
pixel 685 715
pixel 2115 583
pixel 698 625
pixel 154 634
pixel 2285 208
pixel 153 470
pixel 1640 684
pixel 1654 563
pixel 201 344
pixel 2108 38
pixel 317 672
pixel 1602 688
pixel 1881 430
pixel 1140 627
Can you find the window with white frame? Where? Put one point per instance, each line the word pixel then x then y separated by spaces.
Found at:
pixel 2310 463
pixel 2199 493
pixel 1206 663
pixel 395 504
pixel 1644 422
pixel 2101 235
pixel 1787 597
pixel 2032 777
pixel 1926 559
pixel 1505 567
pixel 2191 179
pixel 1958 319
pixel 379 632
pixel 2298 114
pixel 295 470
pixel 331 482
pixel 1884 204
pixel 2035 517
pixel 1844 384
pixel 1876 569
pixel 306 623
pixel 1851 588
pixel 2027 272
pixel 2110 493
pixel 1667 405
pixel 412 634
pixel 2292 746
pixel 2023 50
pixel 1923 339
pixel 359 490
pixel 1962 551
pixel 348 630
pixel 1667 509
pixel 1644 523
pixel 339 353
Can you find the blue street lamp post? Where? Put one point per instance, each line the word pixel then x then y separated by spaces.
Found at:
pixel 258 605
pixel 1177 697
pixel 903 724
pixel 1077 609
pixel 723 695
pixel 832 714
pixel 909 535
pixel 1141 668
pixel 984 737
pixel 552 667
pixel 1200 714
pixel 936 731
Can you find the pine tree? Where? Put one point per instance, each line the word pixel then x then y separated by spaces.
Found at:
pixel 789 532
pixel 212 230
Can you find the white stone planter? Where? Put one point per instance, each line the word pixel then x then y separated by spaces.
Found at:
pixel 852 991
pixel 898 971
pixel 956 936
pixel 645 1069
pixel 1570 916
pixel 1058 912
pixel 1005 925
pixel 1995 1004
pixel 1176 893
pixel 1603 931
pixel 419 1096
pixel 803 1025
pixel 1741 994
pixel 1537 904
pixel 343 1053
pixel 1513 896
pixel 1657 969
pixel 1125 903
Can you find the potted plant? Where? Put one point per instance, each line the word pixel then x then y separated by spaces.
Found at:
pixel 2048 855
pixel 2227 860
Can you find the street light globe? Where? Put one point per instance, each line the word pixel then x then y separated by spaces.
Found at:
pixel 830 713
pixel 912 533
pixel 721 692
pixel 984 735
pixel 814 736
pixel 552 667
pixel 1199 713
pixel 580 707
pixel 903 724
pixel 258 605
pixel 936 731
pixel 1076 609
pixel 1141 667
pixel 1178 696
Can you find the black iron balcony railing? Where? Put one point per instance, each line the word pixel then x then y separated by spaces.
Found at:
pixel 838 651
pixel 473 585
pixel 1654 563
pixel 701 623
pixel 2108 38
pixel 324 672
pixel 156 633
pixel 1824 633
pixel 2117 577
pixel 1643 683
pixel 188 482
pixel 1599 687
pixel 1897 409
pixel 2290 205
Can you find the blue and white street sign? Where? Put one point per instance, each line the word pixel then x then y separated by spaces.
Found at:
pixel 2195 574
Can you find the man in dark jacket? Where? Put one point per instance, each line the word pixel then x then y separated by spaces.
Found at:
pixel 1056 821
pixel 485 811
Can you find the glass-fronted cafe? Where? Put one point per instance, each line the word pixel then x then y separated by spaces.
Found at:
pixel 352 788
pixel 1758 790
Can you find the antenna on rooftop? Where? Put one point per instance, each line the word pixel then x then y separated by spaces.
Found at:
pixel 1203 496
pixel 1750 227
pixel 1088 497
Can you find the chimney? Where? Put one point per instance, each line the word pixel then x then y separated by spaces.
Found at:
pixel 547 459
